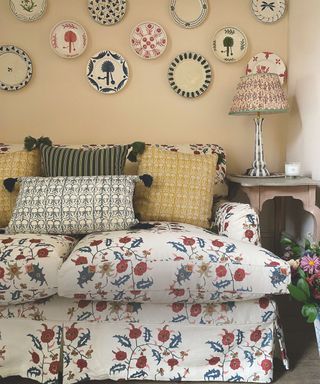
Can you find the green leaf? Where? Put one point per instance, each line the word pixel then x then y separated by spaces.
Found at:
pixel 286 241
pixel 296 250
pixel 307 244
pixel 297 293
pixel 310 311
pixel 304 286
pixel 301 273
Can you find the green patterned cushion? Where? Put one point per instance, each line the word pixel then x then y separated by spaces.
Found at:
pixel 74 205
pixel 60 161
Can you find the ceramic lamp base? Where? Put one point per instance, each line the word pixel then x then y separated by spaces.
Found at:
pixel 259 167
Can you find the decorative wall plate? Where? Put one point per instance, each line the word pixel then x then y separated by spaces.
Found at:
pixel 28 10
pixel 268 11
pixel 267 62
pixel 148 40
pixel 107 72
pixel 107 12
pixel 68 39
pixel 15 68
pixel 189 13
pixel 230 44
pixel 189 74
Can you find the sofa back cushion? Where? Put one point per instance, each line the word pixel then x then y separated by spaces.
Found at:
pixel 182 189
pixel 74 205
pixel 15 164
pixel 60 161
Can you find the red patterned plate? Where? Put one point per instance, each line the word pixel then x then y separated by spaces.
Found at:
pixel 267 62
pixel 68 39
pixel 148 40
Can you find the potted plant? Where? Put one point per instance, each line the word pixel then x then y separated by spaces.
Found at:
pixel 305 286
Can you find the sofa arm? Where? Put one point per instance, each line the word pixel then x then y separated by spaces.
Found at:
pixel 237 221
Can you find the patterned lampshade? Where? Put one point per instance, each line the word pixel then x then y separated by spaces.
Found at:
pixel 259 93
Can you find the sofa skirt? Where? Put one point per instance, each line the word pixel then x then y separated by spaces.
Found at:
pixel 60 338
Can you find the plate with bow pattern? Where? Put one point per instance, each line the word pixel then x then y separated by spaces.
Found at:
pixel 268 11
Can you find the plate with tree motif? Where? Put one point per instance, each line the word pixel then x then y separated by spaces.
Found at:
pixel 268 11
pixel 189 74
pixel 230 44
pixel 28 10
pixel 267 62
pixel 68 39
pixel 148 40
pixel 15 68
pixel 107 12
pixel 107 72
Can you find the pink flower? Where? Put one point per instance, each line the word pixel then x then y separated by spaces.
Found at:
pixel 310 264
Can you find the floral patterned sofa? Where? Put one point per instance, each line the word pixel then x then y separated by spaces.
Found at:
pixel 128 304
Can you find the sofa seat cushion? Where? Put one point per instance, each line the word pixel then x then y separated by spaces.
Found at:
pixel 29 266
pixel 168 263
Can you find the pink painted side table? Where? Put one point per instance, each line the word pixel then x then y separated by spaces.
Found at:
pixel 259 190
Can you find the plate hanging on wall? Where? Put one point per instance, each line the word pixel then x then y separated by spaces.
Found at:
pixel 268 11
pixel 107 12
pixel 189 13
pixel 189 74
pixel 148 40
pixel 107 72
pixel 267 62
pixel 15 68
pixel 230 44
pixel 68 39
pixel 28 10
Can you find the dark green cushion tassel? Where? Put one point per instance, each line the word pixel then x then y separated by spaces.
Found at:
pixel 147 180
pixel 137 148
pixel 9 184
pixel 31 143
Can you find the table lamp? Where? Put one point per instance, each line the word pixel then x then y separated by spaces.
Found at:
pixel 258 94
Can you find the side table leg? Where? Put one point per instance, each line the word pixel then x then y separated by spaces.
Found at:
pixel 279 222
pixel 315 212
pixel 309 205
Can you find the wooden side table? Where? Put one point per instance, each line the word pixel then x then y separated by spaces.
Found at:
pixel 260 190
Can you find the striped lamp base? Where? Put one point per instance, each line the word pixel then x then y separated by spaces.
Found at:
pixel 259 167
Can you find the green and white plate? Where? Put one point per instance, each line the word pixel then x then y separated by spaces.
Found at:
pixel 28 10
pixel 189 74
pixel 230 44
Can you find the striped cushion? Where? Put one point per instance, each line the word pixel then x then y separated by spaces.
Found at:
pixel 60 161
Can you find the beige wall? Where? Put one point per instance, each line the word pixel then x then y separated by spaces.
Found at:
pixel 304 86
pixel 58 102
pixel 303 134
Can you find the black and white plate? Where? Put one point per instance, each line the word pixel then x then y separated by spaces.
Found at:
pixel 28 10
pixel 268 11
pixel 107 72
pixel 15 68
pixel 189 74
pixel 107 12
pixel 189 14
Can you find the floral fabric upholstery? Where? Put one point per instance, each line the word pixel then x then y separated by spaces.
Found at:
pixel 29 266
pixel 171 262
pixel 238 221
pixel 235 341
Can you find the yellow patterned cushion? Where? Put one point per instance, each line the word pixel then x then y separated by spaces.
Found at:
pixel 15 164
pixel 182 188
